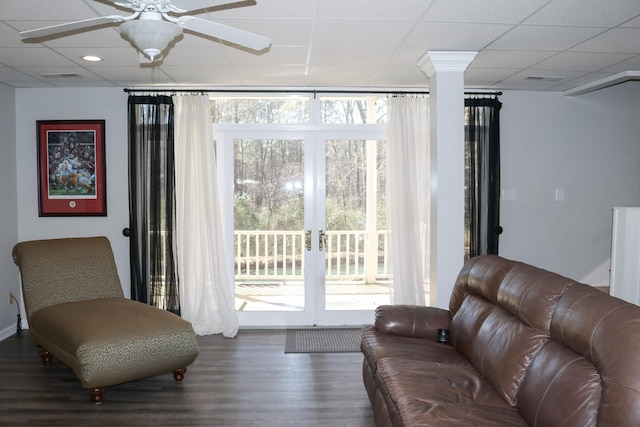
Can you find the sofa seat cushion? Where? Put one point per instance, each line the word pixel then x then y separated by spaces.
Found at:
pixel 426 392
pixel 376 346
pixel 417 412
pixel 436 382
pixel 114 340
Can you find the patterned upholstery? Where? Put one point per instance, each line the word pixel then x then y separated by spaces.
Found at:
pixel 77 312
pixel 64 270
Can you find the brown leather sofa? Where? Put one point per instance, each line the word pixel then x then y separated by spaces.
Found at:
pixel 526 347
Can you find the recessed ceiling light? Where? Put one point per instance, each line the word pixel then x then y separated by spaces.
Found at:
pixel 92 58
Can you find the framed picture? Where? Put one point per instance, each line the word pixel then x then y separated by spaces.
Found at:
pixel 71 168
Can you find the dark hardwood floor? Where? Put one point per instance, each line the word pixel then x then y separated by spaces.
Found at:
pixel 245 381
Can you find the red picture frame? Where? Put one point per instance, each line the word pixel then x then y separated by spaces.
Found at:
pixel 71 168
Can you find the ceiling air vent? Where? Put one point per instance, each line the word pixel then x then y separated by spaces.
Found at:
pixel 544 78
pixel 55 75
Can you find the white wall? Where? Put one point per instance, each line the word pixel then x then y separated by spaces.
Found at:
pixel 588 145
pixel 109 104
pixel 8 212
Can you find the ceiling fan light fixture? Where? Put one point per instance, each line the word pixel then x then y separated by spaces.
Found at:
pixel 150 36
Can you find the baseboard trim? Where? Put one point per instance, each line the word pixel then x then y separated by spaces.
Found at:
pixel 7 332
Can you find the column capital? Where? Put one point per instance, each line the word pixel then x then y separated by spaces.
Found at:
pixel 440 60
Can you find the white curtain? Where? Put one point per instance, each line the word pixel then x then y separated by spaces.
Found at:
pixel 206 284
pixel 408 198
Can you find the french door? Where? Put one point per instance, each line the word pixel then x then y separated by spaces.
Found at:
pixel 303 218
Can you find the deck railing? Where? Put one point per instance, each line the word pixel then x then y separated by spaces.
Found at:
pixel 351 255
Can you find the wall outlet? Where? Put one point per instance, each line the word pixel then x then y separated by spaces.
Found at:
pixel 10 298
pixel 509 195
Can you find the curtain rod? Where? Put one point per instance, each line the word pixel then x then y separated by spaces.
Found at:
pixel 374 92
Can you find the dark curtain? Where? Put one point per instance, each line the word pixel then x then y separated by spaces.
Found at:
pixel 482 175
pixel 154 277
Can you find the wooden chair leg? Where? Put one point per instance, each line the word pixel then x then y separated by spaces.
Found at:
pixel 178 374
pixel 46 357
pixel 96 394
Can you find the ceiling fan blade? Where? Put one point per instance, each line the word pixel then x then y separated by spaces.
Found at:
pixel 70 26
pixel 188 5
pixel 224 32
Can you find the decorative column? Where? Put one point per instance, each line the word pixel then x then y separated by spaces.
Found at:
pixel 445 71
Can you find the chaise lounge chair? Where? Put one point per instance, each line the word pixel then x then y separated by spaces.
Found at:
pixel 77 312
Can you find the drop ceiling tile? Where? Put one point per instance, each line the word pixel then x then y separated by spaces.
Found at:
pixel 534 84
pixel 200 75
pixel 84 83
pixel 406 56
pixel 593 13
pixel 50 10
pixel 630 64
pixel 619 40
pixel 82 80
pixel 106 8
pixel 271 73
pixel 112 56
pixel 276 55
pixel 550 38
pixel 428 36
pixel 340 75
pixel 9 37
pixel 523 85
pixel 15 75
pixel 269 9
pixel 579 81
pixel 137 75
pixel 401 77
pixel 27 84
pixel 373 9
pixel 487 11
pixel 358 33
pixel 508 58
pixel 191 56
pixel 479 77
pixel 40 72
pixel 633 23
pixel 582 61
pixel 32 57
pixel 358 56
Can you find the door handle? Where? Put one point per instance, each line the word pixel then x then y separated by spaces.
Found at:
pixel 307 240
pixel 322 240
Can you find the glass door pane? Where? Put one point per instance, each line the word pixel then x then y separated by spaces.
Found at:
pixel 356 267
pixel 269 238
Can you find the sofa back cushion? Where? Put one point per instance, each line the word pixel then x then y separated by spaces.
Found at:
pixel 64 270
pixel 560 388
pixel 502 324
pixel 479 276
pixel 605 331
pixel 498 344
pixel 558 350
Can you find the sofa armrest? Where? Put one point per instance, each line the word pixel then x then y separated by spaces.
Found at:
pixel 411 320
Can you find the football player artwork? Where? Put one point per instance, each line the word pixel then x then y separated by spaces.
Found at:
pixel 71 168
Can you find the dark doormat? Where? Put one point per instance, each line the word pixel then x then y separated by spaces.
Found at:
pixel 322 340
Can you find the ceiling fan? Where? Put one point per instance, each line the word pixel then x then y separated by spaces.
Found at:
pixel 154 24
